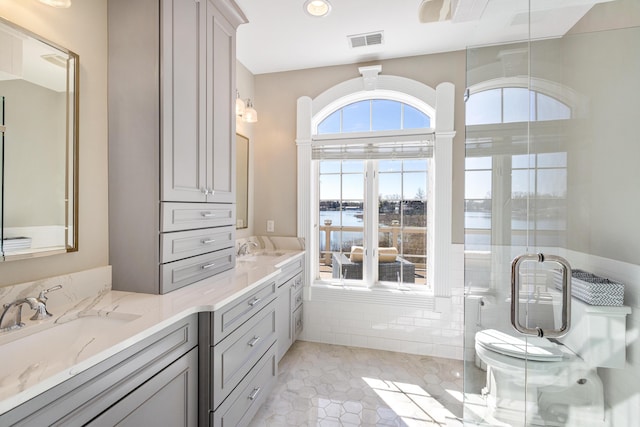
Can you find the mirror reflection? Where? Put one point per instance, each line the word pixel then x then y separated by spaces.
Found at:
pixel 242 181
pixel 38 99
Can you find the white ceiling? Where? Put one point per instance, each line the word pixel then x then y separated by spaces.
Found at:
pixel 281 37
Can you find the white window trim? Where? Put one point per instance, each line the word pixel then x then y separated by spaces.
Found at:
pixel 441 100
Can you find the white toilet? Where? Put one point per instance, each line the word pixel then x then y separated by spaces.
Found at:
pixel 562 384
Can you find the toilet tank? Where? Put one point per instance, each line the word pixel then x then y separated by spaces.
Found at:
pixel 597 333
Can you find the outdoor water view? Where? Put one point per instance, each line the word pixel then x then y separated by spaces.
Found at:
pixel 536 200
pixel 402 217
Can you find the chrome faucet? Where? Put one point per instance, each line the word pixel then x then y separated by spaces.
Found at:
pixel 39 305
pixel 244 248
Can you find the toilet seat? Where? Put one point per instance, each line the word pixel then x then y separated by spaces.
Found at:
pixel 524 348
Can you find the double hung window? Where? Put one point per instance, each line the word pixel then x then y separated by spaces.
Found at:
pixel 515 171
pixel 373 159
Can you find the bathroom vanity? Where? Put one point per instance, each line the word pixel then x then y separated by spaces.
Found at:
pixel 205 354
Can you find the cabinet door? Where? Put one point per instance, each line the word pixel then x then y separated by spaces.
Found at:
pixel 168 399
pixel 221 71
pixel 183 135
pixel 283 320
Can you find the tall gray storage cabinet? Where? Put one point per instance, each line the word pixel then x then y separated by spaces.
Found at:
pixel 171 141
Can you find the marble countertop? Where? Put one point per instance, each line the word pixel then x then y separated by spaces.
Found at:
pixel 88 330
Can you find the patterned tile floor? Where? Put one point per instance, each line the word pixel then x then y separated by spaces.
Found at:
pixel 330 385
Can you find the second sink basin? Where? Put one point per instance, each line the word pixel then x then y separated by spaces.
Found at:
pixel 259 256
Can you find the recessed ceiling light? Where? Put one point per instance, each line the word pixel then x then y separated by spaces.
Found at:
pixel 317 8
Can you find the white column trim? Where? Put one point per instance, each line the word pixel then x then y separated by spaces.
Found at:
pixel 306 218
pixel 440 275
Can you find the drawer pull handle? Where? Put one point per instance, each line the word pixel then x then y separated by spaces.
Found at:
pixel 253 342
pixel 298 281
pixel 207 214
pixel 204 267
pixel 299 299
pixel 254 301
pixel 254 393
pixel 208 241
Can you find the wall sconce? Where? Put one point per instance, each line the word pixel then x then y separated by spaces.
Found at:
pixel 245 110
pixel 250 114
pixel 239 105
pixel 57 3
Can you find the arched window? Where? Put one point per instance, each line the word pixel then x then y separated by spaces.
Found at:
pixel 365 179
pixel 373 115
pixel 501 181
pixel 513 104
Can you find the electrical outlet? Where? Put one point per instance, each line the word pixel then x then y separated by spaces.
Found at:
pixel 271 225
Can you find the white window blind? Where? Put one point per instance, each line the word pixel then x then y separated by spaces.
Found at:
pixel 419 147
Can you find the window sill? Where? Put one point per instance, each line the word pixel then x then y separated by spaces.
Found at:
pixel 410 297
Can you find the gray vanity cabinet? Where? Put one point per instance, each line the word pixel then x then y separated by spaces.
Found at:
pixel 238 366
pixel 171 141
pixel 168 399
pixel 289 305
pixel 155 379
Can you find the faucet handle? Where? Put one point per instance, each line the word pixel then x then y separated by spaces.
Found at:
pixel 40 304
pixel 42 296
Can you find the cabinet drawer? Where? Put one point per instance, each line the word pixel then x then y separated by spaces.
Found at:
pixel 181 273
pixel 296 300
pixel 242 405
pixel 234 314
pixel 187 216
pixel 298 323
pixel 291 269
pixel 184 244
pixel 234 356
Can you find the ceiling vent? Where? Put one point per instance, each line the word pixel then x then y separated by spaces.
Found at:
pixel 368 39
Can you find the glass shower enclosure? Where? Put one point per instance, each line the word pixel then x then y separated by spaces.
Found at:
pixel 551 168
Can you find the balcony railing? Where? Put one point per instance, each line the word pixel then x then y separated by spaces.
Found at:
pixel 395 231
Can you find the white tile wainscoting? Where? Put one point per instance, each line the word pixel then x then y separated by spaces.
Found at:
pixel 400 321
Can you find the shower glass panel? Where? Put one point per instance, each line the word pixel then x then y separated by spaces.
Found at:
pixel 497 220
pixel 551 150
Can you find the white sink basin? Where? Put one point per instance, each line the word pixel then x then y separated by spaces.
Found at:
pixel 259 257
pixel 59 344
